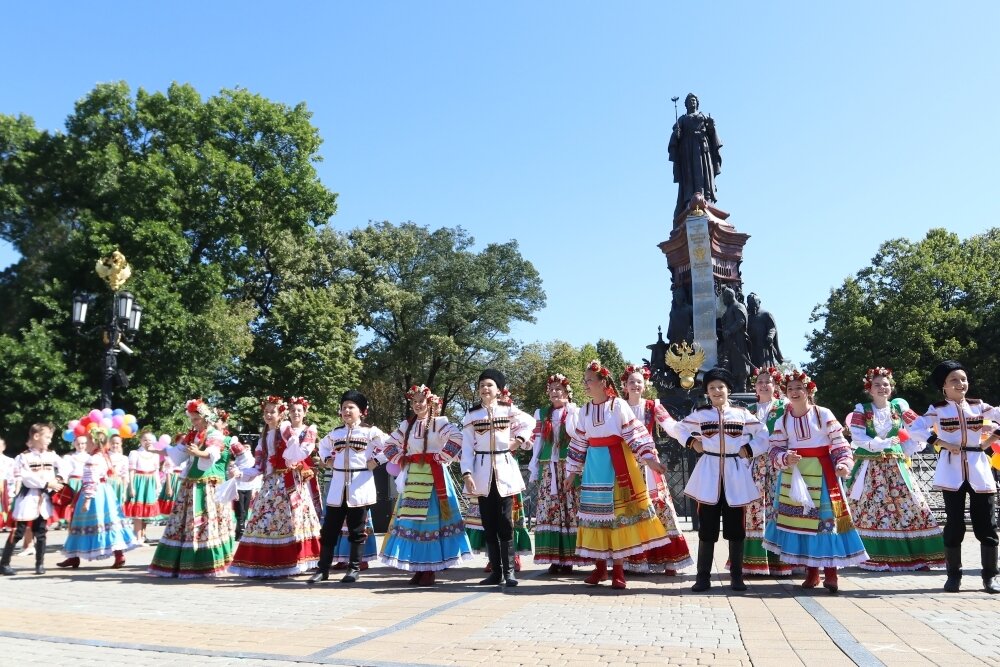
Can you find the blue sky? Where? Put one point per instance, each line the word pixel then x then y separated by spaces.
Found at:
pixel 844 124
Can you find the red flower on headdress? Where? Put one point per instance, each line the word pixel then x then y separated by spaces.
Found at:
pixel 644 369
pixel 275 400
pixel 802 377
pixel 299 400
pixel 418 389
pixel 193 405
pixel 223 415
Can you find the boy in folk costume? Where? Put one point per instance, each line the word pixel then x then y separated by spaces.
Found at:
pixel 675 555
pixel 491 431
pixel 37 473
pixel 956 424
pixel 427 533
pixel 353 452
pixel 555 517
pixel 281 538
pixel 812 525
pixel 616 517
pixel 888 508
pixel 726 436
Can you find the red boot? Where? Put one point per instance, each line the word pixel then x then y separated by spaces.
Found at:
pixel 119 560
pixel 427 579
pixel 364 566
pixel 812 578
pixel 599 574
pixel 830 579
pixel 73 562
pixel 517 562
pixel 618 576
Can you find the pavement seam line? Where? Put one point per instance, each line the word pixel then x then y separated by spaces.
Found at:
pixel 412 620
pixel 840 635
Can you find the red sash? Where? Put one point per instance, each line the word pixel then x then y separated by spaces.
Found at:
pixel 841 512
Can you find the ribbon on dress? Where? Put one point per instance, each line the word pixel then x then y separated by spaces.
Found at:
pixel 841 512
pixel 617 452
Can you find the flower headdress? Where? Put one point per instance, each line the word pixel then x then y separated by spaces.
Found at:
pixel 872 373
pixel 802 377
pixel 199 407
pixel 560 379
pixel 418 389
pixel 771 372
pixel 504 397
pixel 275 400
pixel 299 400
pixel 644 370
pixel 223 415
pixel 595 366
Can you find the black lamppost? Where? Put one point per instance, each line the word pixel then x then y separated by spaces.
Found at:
pixel 123 325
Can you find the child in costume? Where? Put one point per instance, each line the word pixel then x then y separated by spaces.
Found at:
pixel 142 504
pixel 889 510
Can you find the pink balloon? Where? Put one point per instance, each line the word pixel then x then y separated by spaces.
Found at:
pixel 393 469
pixel 95 416
pixel 117 421
pixel 72 425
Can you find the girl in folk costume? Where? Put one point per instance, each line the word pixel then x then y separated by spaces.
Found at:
pixel 245 490
pixel 99 528
pixel 616 518
pixel 769 408
pixel 297 409
pixel 141 504
pixel 73 464
pixel 555 517
pixel 956 424
pixel 812 525
pixel 198 538
pixel 726 436
pixel 119 464
pixel 281 537
pixel 353 451
pixel 491 431
pixel 427 532
pixel 890 512
pixel 675 555
pixel 36 473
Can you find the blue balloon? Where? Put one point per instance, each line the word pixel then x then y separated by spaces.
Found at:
pixel 117 412
pixel 68 436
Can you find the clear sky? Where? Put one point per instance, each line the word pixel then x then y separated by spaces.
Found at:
pixel 844 124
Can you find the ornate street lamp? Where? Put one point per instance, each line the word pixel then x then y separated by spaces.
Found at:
pixel 124 323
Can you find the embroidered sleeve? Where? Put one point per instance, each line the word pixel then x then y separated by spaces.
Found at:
pixel 578 442
pixel 840 449
pixel 297 447
pixel 178 454
pixel 451 439
pixel 685 429
pixel 326 446
pixel 376 444
pixel 213 447
pixel 778 446
pixel 666 421
pixel 90 478
pixel 394 443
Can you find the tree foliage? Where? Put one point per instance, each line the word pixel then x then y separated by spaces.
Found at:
pixel 436 312
pixel 216 204
pixel 915 305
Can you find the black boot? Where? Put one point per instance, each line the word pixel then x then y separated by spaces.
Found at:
pixel 326 551
pixel 507 562
pixel 953 560
pixel 706 554
pixel 354 567
pixel 736 566
pixel 8 552
pixel 40 554
pixel 496 574
pixel 991 584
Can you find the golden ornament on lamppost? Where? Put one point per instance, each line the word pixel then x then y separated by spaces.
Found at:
pixel 114 270
pixel 685 360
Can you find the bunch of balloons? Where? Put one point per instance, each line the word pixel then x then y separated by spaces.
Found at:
pixel 112 422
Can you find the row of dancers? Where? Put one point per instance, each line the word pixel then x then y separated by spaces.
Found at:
pixel 787 487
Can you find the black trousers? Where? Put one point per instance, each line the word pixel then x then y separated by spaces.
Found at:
pixel 733 526
pixel 242 508
pixel 329 534
pixel 496 511
pixel 39 526
pixel 982 510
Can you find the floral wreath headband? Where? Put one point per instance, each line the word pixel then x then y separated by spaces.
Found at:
pixel 419 389
pixel 223 415
pixel 644 370
pixel 801 376
pixel 299 400
pixel 878 371
pixel 562 381
pixel 275 400
pixel 595 366
pixel 199 407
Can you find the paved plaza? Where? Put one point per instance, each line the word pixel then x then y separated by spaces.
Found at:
pixel 98 616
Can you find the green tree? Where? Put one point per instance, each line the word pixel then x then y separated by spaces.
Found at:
pixel 915 305
pixel 436 312
pixel 216 203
